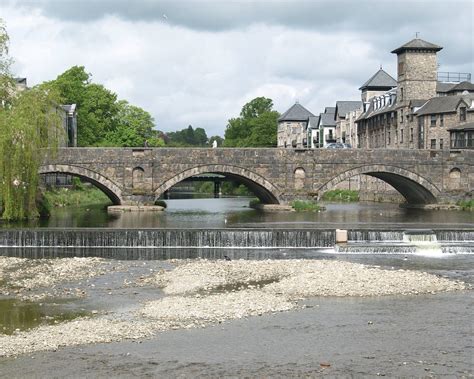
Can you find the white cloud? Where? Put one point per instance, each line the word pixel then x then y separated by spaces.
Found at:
pixel 202 76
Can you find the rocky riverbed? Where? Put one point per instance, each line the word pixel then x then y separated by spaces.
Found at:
pixel 189 293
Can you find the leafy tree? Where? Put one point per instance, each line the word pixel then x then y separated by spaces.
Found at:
pixel 29 123
pixel 256 126
pixel 219 139
pixel 133 126
pixel 188 137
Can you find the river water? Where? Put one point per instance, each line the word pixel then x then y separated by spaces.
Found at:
pixel 422 336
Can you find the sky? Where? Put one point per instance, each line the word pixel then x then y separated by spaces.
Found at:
pixel 197 62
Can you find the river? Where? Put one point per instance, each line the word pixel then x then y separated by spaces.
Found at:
pixel 424 335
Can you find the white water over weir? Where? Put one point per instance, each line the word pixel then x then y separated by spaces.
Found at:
pixel 360 241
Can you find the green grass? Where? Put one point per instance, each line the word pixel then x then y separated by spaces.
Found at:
pixel 341 195
pixel 466 205
pixel 63 197
pixel 305 206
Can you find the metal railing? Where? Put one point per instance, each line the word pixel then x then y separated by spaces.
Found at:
pixel 454 76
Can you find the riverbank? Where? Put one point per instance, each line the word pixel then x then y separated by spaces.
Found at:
pixel 184 294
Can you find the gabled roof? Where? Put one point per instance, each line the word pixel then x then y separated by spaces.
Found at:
pixel 313 122
pixel 296 113
pixel 463 86
pixel 380 80
pixel 327 119
pixel 444 86
pixel 443 104
pixel 344 107
pixel 330 110
pixel 417 44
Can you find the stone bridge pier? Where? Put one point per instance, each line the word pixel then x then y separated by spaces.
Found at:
pixel 137 176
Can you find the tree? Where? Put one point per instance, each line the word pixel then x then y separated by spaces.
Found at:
pixel 188 137
pixel 219 139
pixel 256 126
pixel 29 123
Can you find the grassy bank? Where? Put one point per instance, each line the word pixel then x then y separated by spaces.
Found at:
pixel 87 195
pixel 341 195
pixel 466 205
pixel 305 206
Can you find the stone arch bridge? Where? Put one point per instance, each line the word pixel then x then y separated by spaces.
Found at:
pixel 277 176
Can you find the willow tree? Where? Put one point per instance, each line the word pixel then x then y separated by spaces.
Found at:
pixel 29 128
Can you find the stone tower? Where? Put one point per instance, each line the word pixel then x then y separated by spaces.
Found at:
pixel 417 71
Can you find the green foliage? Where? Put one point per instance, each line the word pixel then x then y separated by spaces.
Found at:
pixel 256 126
pixel 341 195
pixel 466 205
pixel 254 203
pixel 63 197
pixel 219 139
pixel 227 188
pixel 101 119
pixel 77 184
pixel 187 137
pixel 161 203
pixel 305 206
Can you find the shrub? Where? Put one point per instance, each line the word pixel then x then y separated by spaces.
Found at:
pixel 341 195
pixel 466 205
pixel 305 206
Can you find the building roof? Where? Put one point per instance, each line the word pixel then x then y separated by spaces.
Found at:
pixel 463 86
pixel 327 119
pixel 330 110
pixel 313 122
pixel 69 108
pixel 296 113
pixel 20 80
pixel 344 107
pixel 467 126
pixel 442 104
pixel 444 86
pixel 417 44
pixel 417 103
pixel 380 80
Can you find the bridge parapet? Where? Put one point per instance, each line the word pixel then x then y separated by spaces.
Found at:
pixel 132 175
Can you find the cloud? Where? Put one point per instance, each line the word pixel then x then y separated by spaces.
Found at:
pixel 202 62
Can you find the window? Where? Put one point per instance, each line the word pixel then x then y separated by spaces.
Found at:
pixel 411 134
pixel 433 144
pixel 401 135
pixel 388 138
pixel 433 120
pixel 401 94
pixel 462 114
pixel 421 133
pixel 441 145
pixel 401 115
pixel 441 120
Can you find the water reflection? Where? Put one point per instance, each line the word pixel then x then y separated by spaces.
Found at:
pixel 235 212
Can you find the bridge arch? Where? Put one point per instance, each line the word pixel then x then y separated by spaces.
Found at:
pixel 261 187
pixel 113 192
pixel 413 187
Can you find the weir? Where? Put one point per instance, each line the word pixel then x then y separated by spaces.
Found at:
pixel 360 241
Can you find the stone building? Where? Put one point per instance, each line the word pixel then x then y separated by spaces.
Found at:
pixel 293 127
pixel 420 110
pixel 345 114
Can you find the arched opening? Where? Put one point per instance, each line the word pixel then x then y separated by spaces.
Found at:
pixel 414 188
pixel 138 175
pixel 454 182
pixel 266 192
pixel 110 189
pixel 300 176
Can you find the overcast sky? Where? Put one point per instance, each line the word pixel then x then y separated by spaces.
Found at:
pixel 197 62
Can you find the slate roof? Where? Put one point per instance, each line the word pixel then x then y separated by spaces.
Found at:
pixel 330 110
pixel 371 111
pixel 442 104
pixel 417 103
pixel 417 44
pixel 20 80
pixel 296 113
pixel 468 126
pixel 380 80
pixel 344 107
pixel 444 87
pixel 313 122
pixel 327 119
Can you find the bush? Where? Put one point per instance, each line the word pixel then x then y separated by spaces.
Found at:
pixel 62 197
pixel 341 195
pixel 305 206
pixel 77 184
pixel 466 205
pixel 161 203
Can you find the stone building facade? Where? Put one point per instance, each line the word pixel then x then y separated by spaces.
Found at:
pixel 420 110
pixel 293 128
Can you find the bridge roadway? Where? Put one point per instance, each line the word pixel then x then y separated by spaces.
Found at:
pixel 277 176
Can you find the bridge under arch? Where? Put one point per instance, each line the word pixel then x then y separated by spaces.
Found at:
pixel 113 192
pixel 413 187
pixel 262 188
